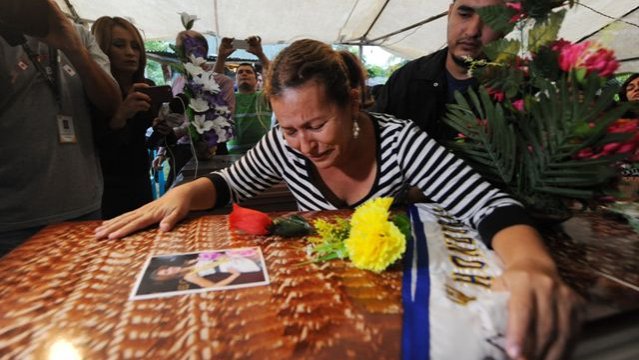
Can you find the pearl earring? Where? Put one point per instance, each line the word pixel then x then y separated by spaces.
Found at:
pixel 355 129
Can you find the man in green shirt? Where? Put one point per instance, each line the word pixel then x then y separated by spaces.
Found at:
pixel 252 111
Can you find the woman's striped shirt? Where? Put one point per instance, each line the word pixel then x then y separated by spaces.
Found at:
pixel 406 156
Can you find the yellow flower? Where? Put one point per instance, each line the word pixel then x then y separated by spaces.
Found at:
pixel 374 242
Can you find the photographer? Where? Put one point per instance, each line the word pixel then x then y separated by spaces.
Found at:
pixel 252 110
pixel 51 73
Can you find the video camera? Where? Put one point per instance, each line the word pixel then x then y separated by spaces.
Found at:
pixel 23 17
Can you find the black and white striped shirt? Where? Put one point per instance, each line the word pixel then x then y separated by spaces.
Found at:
pixel 405 156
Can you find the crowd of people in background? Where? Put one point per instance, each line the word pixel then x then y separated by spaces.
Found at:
pixel 76 109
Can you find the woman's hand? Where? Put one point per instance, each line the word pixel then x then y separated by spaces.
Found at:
pixel 168 210
pixel 543 312
pixel 133 103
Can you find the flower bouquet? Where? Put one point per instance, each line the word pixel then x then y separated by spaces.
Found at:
pixel 543 124
pixel 372 238
pixel 210 119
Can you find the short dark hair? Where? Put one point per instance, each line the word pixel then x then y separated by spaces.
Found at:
pixel 249 65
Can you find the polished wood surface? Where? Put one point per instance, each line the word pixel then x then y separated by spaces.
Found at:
pixel 64 287
pixel 65 291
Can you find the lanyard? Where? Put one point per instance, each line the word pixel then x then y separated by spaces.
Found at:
pixel 52 79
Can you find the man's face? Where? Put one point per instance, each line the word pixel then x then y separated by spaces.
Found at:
pixel 246 79
pixel 466 32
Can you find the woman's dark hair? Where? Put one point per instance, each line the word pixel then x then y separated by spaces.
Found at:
pixel 622 92
pixel 306 60
pixel 102 29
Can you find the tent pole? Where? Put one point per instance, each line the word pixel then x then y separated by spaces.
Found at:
pixel 74 14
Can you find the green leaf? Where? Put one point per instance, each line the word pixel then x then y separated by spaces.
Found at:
pixel 545 32
pixel 403 224
pixel 502 50
pixel 288 226
pixel 497 17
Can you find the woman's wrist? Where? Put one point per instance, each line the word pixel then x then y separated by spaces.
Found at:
pixel 522 245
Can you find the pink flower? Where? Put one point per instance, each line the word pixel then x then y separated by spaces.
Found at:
pixel 519 105
pixel 498 95
pixel 629 147
pixel 585 153
pixel 514 5
pixel 602 61
pixel 522 65
pixel 519 14
pixel 586 55
pixel 559 44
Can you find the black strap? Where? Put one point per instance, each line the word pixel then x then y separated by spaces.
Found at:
pixel 52 80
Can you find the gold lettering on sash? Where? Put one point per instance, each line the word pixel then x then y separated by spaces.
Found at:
pixel 479 280
pixel 462 240
pixel 469 264
pixel 451 246
pixel 454 229
pixel 457 296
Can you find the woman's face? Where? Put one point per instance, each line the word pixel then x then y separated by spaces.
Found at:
pixel 632 90
pixel 169 271
pixel 124 52
pixel 319 129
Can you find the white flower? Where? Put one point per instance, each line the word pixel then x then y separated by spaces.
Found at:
pixel 193 70
pixel 222 110
pixel 197 60
pixel 208 82
pixel 201 124
pixel 199 105
pixel 221 126
pixel 187 20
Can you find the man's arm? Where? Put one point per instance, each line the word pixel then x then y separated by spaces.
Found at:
pixel 99 86
pixel 225 50
pixel 255 48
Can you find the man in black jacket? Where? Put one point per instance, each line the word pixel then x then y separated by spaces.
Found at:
pixel 421 89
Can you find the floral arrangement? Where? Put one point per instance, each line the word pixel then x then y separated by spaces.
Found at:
pixel 372 238
pixel 543 124
pixel 210 119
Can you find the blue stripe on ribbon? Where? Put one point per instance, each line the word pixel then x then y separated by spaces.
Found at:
pixel 416 322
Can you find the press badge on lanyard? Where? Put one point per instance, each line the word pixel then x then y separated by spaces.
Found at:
pixel 66 128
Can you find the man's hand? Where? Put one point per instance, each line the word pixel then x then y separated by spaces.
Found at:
pixel 62 34
pixel 255 46
pixel 226 48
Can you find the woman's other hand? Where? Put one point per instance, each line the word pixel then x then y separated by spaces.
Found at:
pixel 543 312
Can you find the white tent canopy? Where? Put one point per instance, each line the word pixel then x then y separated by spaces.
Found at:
pixel 333 21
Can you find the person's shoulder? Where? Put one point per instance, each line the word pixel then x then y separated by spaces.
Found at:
pixel 422 66
pixel 388 121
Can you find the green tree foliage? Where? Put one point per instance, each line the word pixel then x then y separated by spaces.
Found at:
pixel 153 68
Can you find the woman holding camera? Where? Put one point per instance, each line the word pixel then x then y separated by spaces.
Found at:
pixel 122 144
